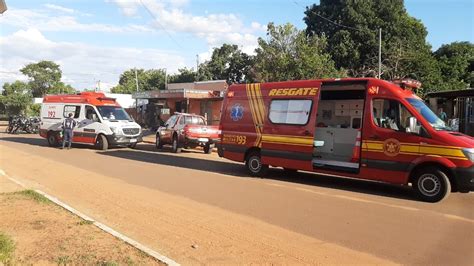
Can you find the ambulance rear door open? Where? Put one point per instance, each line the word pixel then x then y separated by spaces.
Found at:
pixel 338 127
pixel 288 132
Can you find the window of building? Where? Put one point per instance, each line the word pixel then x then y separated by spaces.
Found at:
pixel 291 112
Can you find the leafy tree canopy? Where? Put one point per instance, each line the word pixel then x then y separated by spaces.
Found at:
pixel 44 76
pixel 351 28
pixel 456 62
pixel 15 98
pixel 151 79
pixel 228 63
pixel 184 75
pixel 289 54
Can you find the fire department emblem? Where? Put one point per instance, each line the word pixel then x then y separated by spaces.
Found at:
pixel 391 147
pixel 236 112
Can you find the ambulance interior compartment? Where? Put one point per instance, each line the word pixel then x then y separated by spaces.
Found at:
pixel 338 123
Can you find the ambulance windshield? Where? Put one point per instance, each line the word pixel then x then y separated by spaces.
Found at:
pixel 113 113
pixel 429 115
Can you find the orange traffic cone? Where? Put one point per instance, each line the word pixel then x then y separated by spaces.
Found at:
pixel 356 149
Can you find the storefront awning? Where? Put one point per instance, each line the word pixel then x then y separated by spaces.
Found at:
pixel 177 94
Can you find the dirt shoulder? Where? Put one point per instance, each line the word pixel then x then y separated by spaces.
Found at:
pixel 44 233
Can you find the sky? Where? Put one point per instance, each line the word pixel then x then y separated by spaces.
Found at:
pixel 96 40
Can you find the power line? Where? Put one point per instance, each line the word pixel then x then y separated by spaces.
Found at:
pixel 328 20
pixel 157 21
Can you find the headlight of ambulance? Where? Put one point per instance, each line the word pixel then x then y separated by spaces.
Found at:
pixel 469 153
pixel 115 130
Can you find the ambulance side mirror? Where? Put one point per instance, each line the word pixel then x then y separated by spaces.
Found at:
pixel 412 126
pixel 95 118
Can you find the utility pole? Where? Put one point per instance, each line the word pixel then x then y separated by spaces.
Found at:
pixel 197 63
pixel 136 84
pixel 136 78
pixel 380 53
pixel 166 78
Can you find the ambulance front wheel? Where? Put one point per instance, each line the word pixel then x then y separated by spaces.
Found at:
pixel 254 165
pixel 101 143
pixel 431 185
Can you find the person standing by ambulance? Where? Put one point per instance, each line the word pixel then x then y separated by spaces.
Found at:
pixel 68 125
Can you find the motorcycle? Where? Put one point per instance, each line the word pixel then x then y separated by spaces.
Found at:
pixel 21 123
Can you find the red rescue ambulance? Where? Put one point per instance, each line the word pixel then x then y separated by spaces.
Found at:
pixel 355 127
pixel 101 121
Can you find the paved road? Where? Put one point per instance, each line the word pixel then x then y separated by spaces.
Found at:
pixel 333 218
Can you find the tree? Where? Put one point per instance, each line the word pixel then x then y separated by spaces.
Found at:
pixel 61 88
pixel 290 54
pixel 44 76
pixel 228 63
pixel 152 79
pixel 352 31
pixel 184 75
pixel 456 62
pixel 16 97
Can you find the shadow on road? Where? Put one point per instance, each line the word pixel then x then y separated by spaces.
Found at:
pixel 25 140
pixel 147 153
pixel 238 170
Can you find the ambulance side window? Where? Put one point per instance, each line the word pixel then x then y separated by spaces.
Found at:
pixel 90 112
pixel 75 109
pixel 390 114
pixel 290 112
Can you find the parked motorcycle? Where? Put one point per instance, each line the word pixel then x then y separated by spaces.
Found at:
pixel 17 124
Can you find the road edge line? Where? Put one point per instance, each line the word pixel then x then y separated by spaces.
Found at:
pixel 101 226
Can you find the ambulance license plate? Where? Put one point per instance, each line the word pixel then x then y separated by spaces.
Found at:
pixel 133 140
pixel 203 139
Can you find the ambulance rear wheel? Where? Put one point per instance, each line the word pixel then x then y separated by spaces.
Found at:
pixel 431 185
pixel 254 165
pixel 101 143
pixel 52 139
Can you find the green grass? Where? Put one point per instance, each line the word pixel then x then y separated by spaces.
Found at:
pixel 85 222
pixel 63 260
pixel 34 196
pixel 7 247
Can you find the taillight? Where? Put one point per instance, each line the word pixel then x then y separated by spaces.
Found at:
pixel 219 131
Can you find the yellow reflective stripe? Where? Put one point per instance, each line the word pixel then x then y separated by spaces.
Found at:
pixel 373 146
pixel 409 148
pixel 288 143
pixel 293 140
pixel 415 149
pixel 441 151
pixel 260 104
pixel 252 110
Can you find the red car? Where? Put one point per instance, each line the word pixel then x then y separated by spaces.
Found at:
pixel 187 131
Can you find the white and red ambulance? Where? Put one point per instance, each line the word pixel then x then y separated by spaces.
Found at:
pixel 101 121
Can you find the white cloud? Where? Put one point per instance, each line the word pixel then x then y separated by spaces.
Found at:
pixel 44 21
pixel 59 8
pixel 216 29
pixel 83 65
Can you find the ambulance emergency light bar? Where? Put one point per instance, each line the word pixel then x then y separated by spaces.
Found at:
pixel 407 84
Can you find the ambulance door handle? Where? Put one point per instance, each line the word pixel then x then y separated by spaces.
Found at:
pixel 374 137
pixel 307 133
